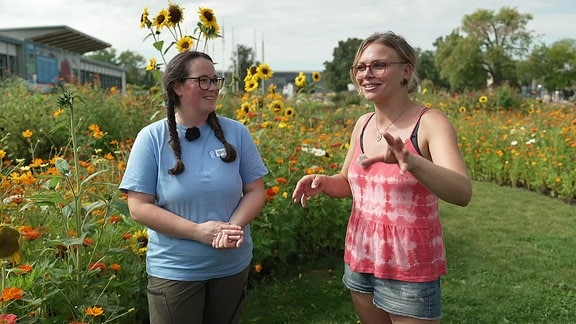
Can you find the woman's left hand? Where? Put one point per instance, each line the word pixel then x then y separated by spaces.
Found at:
pixel 396 153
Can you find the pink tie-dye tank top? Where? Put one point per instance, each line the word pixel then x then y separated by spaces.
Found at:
pixel 394 231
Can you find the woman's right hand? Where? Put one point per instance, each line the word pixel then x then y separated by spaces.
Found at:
pixel 310 185
pixel 210 230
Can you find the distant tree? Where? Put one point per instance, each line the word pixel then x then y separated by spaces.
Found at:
pixel 427 69
pixel 107 55
pixel 242 60
pixel 134 64
pixel 460 63
pixel 496 40
pixel 553 66
pixel 502 37
pixel 336 73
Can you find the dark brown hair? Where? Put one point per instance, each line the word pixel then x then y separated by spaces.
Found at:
pixel 176 71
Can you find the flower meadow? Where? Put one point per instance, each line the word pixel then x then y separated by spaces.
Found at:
pixel 70 252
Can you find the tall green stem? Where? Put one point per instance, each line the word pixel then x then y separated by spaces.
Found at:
pixel 76 192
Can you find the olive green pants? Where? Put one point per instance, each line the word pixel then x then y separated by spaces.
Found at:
pixel 214 301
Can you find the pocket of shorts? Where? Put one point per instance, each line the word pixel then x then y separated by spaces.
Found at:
pixel 158 304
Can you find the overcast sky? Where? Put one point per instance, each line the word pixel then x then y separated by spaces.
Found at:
pixel 289 35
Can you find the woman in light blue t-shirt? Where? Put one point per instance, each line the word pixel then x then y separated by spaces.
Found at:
pixel 194 179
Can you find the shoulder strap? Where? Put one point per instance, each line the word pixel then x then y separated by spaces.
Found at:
pixel 414 135
pixel 362 133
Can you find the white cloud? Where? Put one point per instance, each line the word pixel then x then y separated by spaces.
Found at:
pixel 296 35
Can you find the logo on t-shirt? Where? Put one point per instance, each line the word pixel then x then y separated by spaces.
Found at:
pixel 218 153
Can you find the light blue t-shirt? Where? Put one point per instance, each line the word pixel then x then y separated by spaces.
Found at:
pixel 208 189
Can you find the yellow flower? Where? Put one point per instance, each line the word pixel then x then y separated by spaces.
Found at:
pixel 58 112
pixel 276 106
pixel 316 77
pixel 250 85
pixel 152 65
pixel 94 311
pixel 144 21
pixel 27 133
pixel 263 70
pixel 483 99
pixel 2 154
pixel 300 80
pixel 424 91
pixel 462 109
pixel 141 239
pixel 207 17
pixel 9 242
pixel 96 132
pixel 184 44
pixel 161 20
pixel 289 112
pixel 176 15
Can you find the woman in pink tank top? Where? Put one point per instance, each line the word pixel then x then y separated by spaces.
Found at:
pixel 402 158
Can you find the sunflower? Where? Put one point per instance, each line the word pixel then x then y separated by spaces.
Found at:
pixel 144 21
pixel 10 243
pixel 483 99
pixel 250 85
pixel 207 17
pixel 176 15
pixel 276 106
pixel 140 240
pixel 316 77
pixel 152 65
pixel 289 112
pixel 184 44
pixel 300 80
pixel 462 109
pixel 263 70
pixel 162 19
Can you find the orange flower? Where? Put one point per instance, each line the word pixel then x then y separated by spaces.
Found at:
pixel 281 180
pixel 24 268
pixel 115 267
pixel 88 241
pixel 94 311
pixel 11 293
pixel 258 268
pixel 29 233
pixel 27 133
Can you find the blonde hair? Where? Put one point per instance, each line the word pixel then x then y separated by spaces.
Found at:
pixel 404 50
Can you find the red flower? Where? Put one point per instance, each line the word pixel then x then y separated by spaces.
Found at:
pixel 98 266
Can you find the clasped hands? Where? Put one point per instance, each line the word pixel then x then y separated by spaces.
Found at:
pixel 222 235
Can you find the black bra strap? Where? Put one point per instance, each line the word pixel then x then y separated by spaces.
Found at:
pixel 362 133
pixel 414 135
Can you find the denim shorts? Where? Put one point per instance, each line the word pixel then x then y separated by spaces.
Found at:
pixel 419 300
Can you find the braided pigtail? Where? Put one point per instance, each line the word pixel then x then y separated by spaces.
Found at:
pixel 174 140
pixel 215 124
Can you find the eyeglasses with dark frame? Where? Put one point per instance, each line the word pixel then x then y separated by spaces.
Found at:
pixel 378 68
pixel 205 81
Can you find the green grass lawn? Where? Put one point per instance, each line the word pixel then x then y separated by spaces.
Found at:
pixel 511 259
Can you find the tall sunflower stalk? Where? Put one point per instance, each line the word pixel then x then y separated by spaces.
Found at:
pixel 170 19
